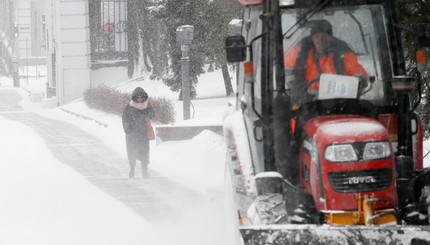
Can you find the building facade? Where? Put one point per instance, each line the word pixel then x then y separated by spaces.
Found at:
pixel 70 37
pixel 68 49
pixel 22 34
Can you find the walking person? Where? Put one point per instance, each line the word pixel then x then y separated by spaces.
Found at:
pixel 135 128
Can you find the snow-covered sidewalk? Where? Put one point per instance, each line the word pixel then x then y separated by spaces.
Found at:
pixel 45 202
pixel 50 203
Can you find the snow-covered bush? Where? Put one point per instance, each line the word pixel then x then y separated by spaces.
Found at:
pixel 113 101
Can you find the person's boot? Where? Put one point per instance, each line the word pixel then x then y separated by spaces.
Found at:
pixel 145 173
pixel 131 174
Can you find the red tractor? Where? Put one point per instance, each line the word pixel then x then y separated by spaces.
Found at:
pixel 324 146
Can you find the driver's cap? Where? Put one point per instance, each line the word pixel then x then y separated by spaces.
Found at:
pixel 321 26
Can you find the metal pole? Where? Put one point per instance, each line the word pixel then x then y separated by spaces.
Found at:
pixel 26 56
pixel 37 75
pixel 185 72
pixel 184 36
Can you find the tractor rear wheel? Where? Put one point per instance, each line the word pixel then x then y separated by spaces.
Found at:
pixel 424 205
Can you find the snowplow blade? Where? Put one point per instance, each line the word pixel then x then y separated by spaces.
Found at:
pixel 335 235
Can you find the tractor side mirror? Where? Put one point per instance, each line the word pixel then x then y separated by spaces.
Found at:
pixel 235 48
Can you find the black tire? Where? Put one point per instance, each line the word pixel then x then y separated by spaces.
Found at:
pixel 424 205
pixel 271 209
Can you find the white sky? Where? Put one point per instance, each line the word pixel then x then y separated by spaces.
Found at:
pixel 43 201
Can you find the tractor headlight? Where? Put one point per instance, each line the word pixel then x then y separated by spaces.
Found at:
pixel 340 153
pixel 376 150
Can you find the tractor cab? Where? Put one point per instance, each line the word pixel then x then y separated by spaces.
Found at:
pixel 341 72
pixel 357 67
pixel 333 61
pixel 356 45
pixel 351 74
pixel 324 130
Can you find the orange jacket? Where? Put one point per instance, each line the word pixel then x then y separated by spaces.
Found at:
pixel 327 64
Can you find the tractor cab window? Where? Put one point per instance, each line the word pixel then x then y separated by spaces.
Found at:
pixel 348 44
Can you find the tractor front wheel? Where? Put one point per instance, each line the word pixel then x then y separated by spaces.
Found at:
pixel 424 205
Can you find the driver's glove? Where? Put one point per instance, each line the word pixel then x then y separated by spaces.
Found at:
pixel 362 84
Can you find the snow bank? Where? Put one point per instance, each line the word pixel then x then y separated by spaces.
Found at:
pixel 45 202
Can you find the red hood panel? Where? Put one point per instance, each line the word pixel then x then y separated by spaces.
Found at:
pixel 338 129
pixel 250 2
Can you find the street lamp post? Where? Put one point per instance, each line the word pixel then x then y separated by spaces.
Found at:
pixel 184 37
pixel 15 71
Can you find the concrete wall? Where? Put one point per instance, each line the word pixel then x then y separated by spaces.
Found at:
pixel 38 29
pixel 69 48
pixel 6 14
pixel 29 45
pixel 6 49
pixel 23 18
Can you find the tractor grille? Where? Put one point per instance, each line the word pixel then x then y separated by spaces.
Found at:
pixel 361 180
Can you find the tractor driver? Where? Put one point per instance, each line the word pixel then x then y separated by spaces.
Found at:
pixel 317 54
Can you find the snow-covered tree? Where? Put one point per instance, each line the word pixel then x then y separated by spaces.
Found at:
pixel 411 12
pixel 174 14
pixel 146 49
pixel 219 15
pixel 152 38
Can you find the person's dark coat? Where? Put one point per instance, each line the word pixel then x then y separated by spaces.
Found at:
pixel 134 124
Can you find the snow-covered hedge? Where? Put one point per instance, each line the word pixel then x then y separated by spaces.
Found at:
pixel 113 101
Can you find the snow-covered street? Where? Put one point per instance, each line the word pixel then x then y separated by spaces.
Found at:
pixel 214 122
pixel 61 184
pixel 64 179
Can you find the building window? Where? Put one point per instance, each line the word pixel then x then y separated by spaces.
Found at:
pixel 43 31
pixel 108 27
